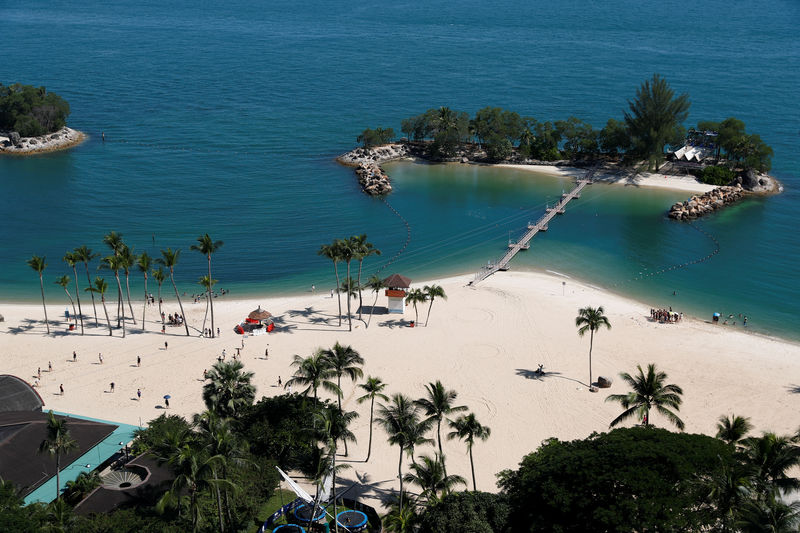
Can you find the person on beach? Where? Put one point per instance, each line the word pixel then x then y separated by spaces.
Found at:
pixel 36 383
pixel 205 374
pixel 100 357
pixel 74 356
pixel 313 289
pixel 138 360
pixel 139 394
pixel 280 383
pixel 166 345
pixel 217 332
pixel 49 366
pixel 166 403
pixel 223 354
pixel 39 372
pixel 112 386
pixel 266 352
pixel 61 389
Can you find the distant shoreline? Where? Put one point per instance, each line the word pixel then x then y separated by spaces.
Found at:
pixel 62 139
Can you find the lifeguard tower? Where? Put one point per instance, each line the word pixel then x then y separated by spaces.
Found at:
pixel 396 286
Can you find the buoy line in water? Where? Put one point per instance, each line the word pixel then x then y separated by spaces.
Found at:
pixel 397 255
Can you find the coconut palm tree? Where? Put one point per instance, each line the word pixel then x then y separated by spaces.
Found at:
pixel 228 390
pixel 57 442
pixel 208 284
pixel 363 249
pixel 100 287
pixel 437 405
pixel 416 296
pixel 402 519
pixel 401 421
pixel 769 516
pixel 114 263
pixel 772 457
pixel 332 252
pixel 733 429
pixel 169 259
pixel 467 428
pixel 373 388
pixel 590 319
pixel 333 425
pixel 347 253
pixel 344 360
pixel 649 392
pixel 85 256
pixel 82 485
pixel 314 371
pixel 432 292
pixel 63 282
pixel 127 261
pixel 728 490
pixel 144 262
pixel 115 243
pixel 71 260
pixel 160 276
pixel 429 474
pixel 350 289
pixel 38 264
pixel 207 247
pixel 375 284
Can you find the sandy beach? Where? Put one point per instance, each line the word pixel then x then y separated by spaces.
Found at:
pixel 484 342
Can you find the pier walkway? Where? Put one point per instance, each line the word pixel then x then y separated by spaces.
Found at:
pixel 534 228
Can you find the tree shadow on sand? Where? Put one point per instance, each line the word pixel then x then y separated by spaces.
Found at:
pixel 794 389
pixel 395 323
pixel 540 376
pixel 365 487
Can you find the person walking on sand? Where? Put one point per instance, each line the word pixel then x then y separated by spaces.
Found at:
pixel 61 389
pixel 166 403
pixel 139 394
pixel 266 352
pixel 39 372
pixel 166 345
pixel 217 332
pixel 74 357
pixel 49 366
pixel 138 360
pixel 280 383
pixel 36 383
pixel 100 357
pixel 223 354
pixel 112 386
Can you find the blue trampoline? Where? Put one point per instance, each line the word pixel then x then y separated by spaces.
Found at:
pixel 352 520
pixel 303 513
pixel 289 528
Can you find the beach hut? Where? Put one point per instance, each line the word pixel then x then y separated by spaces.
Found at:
pixel 396 292
pixel 259 315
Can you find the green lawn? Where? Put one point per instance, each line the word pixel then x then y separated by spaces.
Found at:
pixel 273 504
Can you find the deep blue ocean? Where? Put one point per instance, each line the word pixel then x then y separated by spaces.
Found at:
pixel 225 117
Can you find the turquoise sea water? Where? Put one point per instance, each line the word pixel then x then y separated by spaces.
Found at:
pixel 225 118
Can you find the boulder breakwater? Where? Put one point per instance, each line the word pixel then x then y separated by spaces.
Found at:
pixel 697 206
pixel 12 143
pixel 373 179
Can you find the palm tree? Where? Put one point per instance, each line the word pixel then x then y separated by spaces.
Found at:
pixel 85 255
pixel 347 253
pixel 401 420
pixel 114 263
pixel 228 390
pixel 430 476
pixel 401 519
pixel 333 425
pixel 375 284
pixel 772 456
pixel 374 389
pixel 144 262
pixel 467 428
pixel 314 371
pixel 332 252
pixel 432 292
pixel 733 429
pixel 206 246
pixel 344 360
pixel 114 241
pixel 57 442
pixel 350 288
pixel 416 296
pixel 82 485
pixel 437 406
pixel 63 282
pixel 127 261
pixel 769 516
pixel 38 264
pixel 169 259
pixel 71 260
pixel 100 287
pixel 160 276
pixel 590 319
pixel 649 392
pixel 208 284
pixel 728 489
pixel 363 249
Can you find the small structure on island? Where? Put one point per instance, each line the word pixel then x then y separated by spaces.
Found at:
pixel 396 286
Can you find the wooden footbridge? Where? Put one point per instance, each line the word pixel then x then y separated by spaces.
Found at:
pixel 534 228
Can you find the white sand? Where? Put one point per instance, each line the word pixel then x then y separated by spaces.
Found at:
pixel 483 342
pixel 661 181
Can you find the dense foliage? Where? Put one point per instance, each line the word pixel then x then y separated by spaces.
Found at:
pixel 743 150
pixel 31 111
pixel 370 137
pixel 716 175
pixel 466 512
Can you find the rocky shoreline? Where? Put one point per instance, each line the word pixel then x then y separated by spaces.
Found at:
pixel 697 206
pixel 12 143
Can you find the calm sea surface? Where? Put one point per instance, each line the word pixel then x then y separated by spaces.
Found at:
pixel 225 118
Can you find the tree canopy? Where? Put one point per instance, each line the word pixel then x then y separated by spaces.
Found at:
pixel 31 111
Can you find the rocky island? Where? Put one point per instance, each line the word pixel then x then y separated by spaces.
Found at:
pixel 34 121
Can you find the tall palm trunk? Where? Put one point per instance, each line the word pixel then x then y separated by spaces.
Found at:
pixel 128 293
pixel 204 320
pixel 591 342
pixel 429 312
pixel 103 299
pixel 227 501
pixel 46 322
pixel 472 467
pixel 219 504
pixel 338 294
pixel 58 475
pixel 339 399
pixel 347 295
pixel 183 316
pixel 160 312
pixel 360 301
pixel 372 309
pixel 333 488
pixel 146 301
pixel 439 438
pixel 72 303
pixel 210 300
pixel 94 307
pixel 369 446
pixel 400 475
pixel 120 304
pixel 78 295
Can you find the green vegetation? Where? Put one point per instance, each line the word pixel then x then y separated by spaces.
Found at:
pixel 742 150
pixel 590 319
pixel 369 137
pixel 649 391
pixel 716 175
pixel 31 111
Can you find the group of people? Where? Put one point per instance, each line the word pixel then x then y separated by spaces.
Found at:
pixel 663 316
pixel 173 320
pixel 151 300
pixel 207 332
